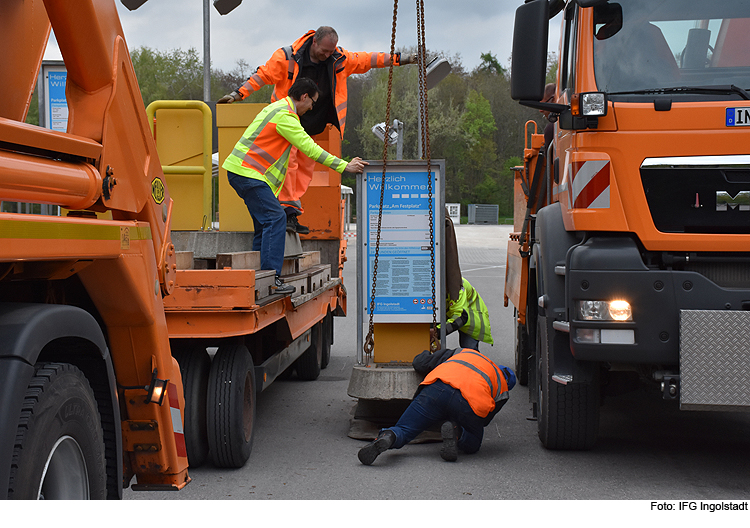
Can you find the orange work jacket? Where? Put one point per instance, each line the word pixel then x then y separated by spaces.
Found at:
pixel 282 68
pixel 481 382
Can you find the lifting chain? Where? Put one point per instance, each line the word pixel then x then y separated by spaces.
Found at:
pixel 425 139
pixel 369 344
pixel 370 340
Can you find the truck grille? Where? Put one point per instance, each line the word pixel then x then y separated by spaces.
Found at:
pixel 724 274
pixel 698 194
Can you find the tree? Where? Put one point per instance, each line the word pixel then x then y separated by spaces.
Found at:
pixel 551 68
pixel 490 64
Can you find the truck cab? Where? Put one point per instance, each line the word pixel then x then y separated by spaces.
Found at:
pixel 637 265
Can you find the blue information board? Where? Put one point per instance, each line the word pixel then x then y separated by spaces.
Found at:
pixel 405 277
pixel 57 104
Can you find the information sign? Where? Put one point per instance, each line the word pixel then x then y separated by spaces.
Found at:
pixel 405 277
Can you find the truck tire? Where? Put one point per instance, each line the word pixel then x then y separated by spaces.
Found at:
pixel 309 363
pixel 327 341
pixel 59 449
pixel 231 406
pixel 568 414
pixel 195 366
pixel 522 353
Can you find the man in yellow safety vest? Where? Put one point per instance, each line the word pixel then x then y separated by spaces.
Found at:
pixel 257 168
pixel 469 315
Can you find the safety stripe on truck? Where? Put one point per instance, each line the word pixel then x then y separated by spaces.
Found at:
pixel 590 184
pixel 179 433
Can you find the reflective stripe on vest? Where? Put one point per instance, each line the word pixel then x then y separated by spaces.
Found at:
pixel 290 68
pixel 499 376
pixel 477 310
pixel 249 154
pixel 483 398
pixel 478 325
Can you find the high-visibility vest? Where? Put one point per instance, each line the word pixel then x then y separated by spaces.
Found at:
pixel 263 150
pixel 282 69
pixel 481 382
pixel 478 325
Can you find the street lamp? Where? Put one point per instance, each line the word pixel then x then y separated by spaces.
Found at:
pixel 437 70
pixel 223 7
pixel 395 136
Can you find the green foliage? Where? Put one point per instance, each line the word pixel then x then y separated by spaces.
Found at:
pixel 551 68
pixel 178 74
pixel 32 117
pixel 489 64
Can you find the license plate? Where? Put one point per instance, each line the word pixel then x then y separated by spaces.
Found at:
pixel 738 117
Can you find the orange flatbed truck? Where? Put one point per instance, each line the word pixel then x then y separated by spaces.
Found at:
pixel 630 262
pixel 94 312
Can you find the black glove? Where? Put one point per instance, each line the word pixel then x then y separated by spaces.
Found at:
pixel 457 323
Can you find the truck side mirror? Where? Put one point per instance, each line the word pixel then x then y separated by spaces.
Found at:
pixel 529 56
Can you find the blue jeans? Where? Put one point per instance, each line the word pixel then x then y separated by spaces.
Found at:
pixel 466 341
pixel 268 216
pixel 435 404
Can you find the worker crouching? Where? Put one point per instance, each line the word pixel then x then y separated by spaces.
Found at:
pixel 463 390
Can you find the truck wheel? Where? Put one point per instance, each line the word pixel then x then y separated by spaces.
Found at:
pixel 231 406
pixel 327 340
pixel 195 365
pixel 308 364
pixel 568 414
pixel 59 449
pixel 522 353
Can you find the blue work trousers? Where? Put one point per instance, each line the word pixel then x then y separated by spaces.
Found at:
pixel 466 341
pixel 268 216
pixel 435 404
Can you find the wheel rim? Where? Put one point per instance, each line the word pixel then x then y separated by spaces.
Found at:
pixel 65 476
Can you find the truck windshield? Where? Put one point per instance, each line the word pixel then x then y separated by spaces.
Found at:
pixel 698 48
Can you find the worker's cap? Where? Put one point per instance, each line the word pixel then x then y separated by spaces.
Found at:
pixel 510 377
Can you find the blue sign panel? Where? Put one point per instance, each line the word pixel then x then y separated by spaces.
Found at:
pixel 57 104
pixel 406 275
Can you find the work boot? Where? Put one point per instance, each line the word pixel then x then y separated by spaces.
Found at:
pixel 280 287
pixel 382 443
pixel 293 226
pixel 449 451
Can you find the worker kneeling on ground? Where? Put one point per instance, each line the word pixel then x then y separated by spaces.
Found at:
pixel 257 168
pixel 463 389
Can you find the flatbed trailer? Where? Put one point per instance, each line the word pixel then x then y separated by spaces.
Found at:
pixel 106 379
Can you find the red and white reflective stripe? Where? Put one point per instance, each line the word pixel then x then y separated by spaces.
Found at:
pixel 179 433
pixel 590 184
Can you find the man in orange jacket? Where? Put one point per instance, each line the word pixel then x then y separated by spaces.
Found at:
pixel 314 55
pixel 463 389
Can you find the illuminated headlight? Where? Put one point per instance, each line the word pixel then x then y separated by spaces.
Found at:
pixel 618 310
pixel 593 104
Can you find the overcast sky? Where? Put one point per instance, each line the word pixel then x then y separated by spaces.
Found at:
pixel 255 29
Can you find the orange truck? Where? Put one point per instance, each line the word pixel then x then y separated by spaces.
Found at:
pixel 105 376
pixel 629 265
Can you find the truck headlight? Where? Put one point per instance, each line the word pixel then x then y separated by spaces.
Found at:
pixel 617 310
pixel 589 104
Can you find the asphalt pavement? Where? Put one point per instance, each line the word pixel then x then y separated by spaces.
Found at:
pixel 647 449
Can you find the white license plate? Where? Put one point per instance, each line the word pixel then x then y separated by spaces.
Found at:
pixel 738 116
